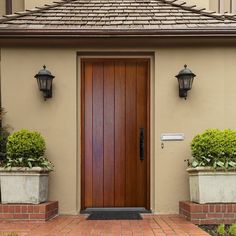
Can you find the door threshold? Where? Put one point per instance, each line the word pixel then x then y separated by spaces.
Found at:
pixel 102 209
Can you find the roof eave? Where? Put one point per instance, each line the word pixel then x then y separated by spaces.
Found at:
pixel 72 33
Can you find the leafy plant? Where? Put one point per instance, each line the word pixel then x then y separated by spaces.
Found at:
pixel 221 230
pixel 26 149
pixel 214 148
pixel 10 234
pixel 3 136
pixel 3 142
pixel 232 230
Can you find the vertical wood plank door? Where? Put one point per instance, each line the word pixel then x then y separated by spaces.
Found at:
pixel 115 133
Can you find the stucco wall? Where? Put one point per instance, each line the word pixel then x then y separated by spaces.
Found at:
pixel 55 118
pixel 200 3
pixel 227 5
pixel 210 104
pixel 18 5
pixel 32 3
pixel 214 5
pixel 2 7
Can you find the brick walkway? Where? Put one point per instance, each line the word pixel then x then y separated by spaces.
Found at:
pixel 171 225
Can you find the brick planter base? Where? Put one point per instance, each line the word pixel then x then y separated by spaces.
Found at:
pixel 201 214
pixel 44 211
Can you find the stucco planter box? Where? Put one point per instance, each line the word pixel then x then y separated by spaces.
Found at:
pixel 24 185
pixel 212 186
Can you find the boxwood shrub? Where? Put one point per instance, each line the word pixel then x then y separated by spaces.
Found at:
pixel 4 133
pixel 3 142
pixel 214 148
pixel 26 149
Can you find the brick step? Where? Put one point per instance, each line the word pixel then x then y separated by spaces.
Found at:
pixel 43 211
pixel 214 213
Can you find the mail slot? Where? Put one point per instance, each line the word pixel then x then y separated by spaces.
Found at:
pixel 172 137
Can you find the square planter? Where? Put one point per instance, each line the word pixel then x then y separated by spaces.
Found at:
pixel 212 186
pixel 24 185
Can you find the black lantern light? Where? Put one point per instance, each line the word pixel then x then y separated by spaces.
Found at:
pixel 185 80
pixel 44 79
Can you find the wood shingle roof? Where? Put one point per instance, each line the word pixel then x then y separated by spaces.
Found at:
pixel 117 15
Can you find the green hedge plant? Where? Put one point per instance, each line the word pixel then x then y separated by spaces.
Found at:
pixel 3 142
pixel 26 149
pixel 232 230
pixel 4 133
pixel 221 230
pixel 10 234
pixel 214 148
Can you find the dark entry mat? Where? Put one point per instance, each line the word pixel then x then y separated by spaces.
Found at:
pixel 114 215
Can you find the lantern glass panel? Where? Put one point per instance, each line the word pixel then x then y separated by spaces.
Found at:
pixel 43 83
pixel 49 83
pixel 38 81
pixel 191 82
pixel 181 83
pixel 185 82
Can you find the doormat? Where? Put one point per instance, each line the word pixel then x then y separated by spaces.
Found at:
pixel 115 215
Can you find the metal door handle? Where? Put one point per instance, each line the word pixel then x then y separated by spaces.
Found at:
pixel 142 144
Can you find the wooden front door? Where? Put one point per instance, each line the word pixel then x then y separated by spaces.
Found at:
pixel 115 133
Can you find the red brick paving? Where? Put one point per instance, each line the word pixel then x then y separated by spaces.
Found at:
pixel 151 225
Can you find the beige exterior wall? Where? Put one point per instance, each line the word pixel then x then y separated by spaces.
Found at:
pixel 55 118
pixel 2 7
pixel 18 5
pixel 33 3
pixel 210 104
pixel 213 5
pixel 199 3
pixel 226 6
pixel 207 106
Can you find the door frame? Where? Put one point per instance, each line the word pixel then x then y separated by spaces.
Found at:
pixel 92 57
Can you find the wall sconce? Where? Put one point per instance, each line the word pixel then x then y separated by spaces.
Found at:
pixel 44 79
pixel 185 80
